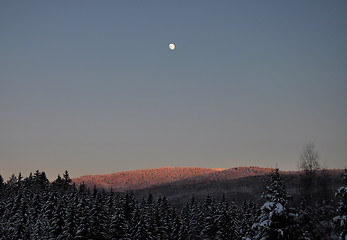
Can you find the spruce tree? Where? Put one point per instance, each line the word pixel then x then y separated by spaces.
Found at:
pixel 250 212
pixel 195 226
pixel 141 229
pixel 207 219
pixel 119 227
pixel 56 224
pixel 163 220
pixel 176 226
pixel 98 220
pixel 225 227
pixel 70 221
pixel 273 222
pixel 83 230
pixel 2 185
pixel 341 219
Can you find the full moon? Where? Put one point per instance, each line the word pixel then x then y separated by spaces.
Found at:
pixel 172 46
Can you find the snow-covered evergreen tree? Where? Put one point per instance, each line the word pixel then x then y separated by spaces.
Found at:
pixel 207 220
pixel 2 185
pixel 142 227
pixel 176 226
pixel 195 225
pixel 83 230
pixel 225 227
pixel 163 218
pixel 273 222
pixel 98 220
pixel 129 205
pixel 183 232
pixel 56 223
pixel 119 227
pixel 83 215
pixel 16 224
pixel 249 213
pixel 341 219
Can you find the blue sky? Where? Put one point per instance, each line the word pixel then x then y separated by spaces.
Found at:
pixel 92 87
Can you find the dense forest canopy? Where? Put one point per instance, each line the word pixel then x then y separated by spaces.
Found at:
pixel 34 208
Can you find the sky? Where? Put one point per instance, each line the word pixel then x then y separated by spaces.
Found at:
pixel 92 87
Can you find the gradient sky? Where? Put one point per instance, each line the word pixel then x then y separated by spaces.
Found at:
pixel 92 87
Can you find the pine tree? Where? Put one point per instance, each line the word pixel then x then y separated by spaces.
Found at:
pixel 134 221
pixel 195 226
pixel 67 179
pixel 129 205
pixel 37 230
pixel 142 227
pixel 224 226
pixel 250 212
pixel 12 182
pixel 2 185
pixel 183 232
pixel 341 219
pixel 82 214
pixel 176 226
pixel 58 183
pixel 209 228
pixel 17 221
pixel 274 218
pixel 56 224
pixel 48 212
pixel 2 211
pixel 148 217
pixel 83 230
pixel 70 221
pixel 119 227
pixel 98 220
pixel 162 218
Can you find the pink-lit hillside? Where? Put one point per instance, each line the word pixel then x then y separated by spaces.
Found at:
pixel 138 179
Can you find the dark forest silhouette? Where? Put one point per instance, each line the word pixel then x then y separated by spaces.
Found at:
pixel 34 208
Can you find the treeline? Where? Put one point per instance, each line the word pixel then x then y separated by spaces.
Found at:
pixel 34 208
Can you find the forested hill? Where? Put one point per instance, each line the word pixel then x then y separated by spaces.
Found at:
pixel 247 183
pixel 139 179
pixel 34 208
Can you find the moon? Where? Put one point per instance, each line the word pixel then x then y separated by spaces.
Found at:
pixel 172 46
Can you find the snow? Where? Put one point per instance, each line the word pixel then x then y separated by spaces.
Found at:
pixel 279 208
pixel 267 206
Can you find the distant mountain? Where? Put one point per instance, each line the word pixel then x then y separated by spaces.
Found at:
pixel 140 179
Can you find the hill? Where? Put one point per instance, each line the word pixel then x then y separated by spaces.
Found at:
pixel 179 184
pixel 239 184
pixel 145 178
